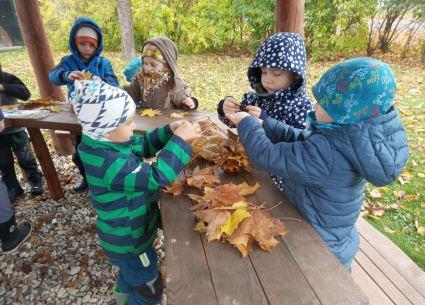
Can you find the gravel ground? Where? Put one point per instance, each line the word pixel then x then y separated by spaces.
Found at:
pixel 62 262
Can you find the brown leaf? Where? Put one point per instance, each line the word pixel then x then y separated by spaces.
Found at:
pixel 150 112
pixel 215 220
pixel 176 115
pixel 176 188
pixel 202 178
pixel 375 193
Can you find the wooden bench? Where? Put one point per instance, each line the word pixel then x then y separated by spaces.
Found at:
pixel 384 272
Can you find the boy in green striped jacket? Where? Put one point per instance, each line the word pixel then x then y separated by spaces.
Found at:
pixel 122 188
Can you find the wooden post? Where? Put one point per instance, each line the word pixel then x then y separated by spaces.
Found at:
pixel 35 39
pixel 290 16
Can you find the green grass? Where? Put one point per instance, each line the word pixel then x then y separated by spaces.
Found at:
pixel 213 76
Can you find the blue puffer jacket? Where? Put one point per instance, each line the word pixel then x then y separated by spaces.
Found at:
pixel 97 65
pixel 325 171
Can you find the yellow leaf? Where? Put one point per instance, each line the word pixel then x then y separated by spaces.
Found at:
pixel 176 115
pixel 234 220
pixel 373 217
pixel 247 189
pixel 421 175
pixel 421 231
pixel 200 227
pixel 150 112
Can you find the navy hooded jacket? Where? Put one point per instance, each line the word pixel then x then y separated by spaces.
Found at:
pixel 289 105
pixel 325 170
pixel 97 65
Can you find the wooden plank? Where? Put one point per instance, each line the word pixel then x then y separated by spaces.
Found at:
pixel 46 163
pixel 318 264
pixel 393 254
pixel 187 277
pixel 280 276
pixel 368 286
pixel 382 281
pixel 391 273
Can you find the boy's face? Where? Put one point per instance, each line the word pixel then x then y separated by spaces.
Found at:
pixel 321 114
pixel 274 79
pixel 86 49
pixel 152 65
pixel 123 132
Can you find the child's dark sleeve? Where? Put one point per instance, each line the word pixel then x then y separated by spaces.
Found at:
pixel 277 131
pixel 306 162
pixel 59 75
pixel 1 116
pixel 126 174
pixel 148 145
pixel 109 75
pixel 14 87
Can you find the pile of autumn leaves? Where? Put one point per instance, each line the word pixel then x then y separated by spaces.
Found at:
pixel 222 210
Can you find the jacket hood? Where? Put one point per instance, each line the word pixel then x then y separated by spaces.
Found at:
pixel 78 23
pixel 282 50
pixel 376 147
pixel 168 49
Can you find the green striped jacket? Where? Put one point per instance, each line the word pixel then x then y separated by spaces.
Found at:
pixel 124 190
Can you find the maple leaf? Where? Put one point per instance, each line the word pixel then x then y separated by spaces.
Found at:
pixel 246 189
pixel 234 220
pixel 176 188
pixel 150 112
pixel 202 178
pixel 86 75
pixel 176 115
pixel 215 220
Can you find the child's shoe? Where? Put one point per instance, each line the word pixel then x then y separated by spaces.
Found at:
pixel 15 193
pixel 36 187
pixel 81 186
pixel 13 235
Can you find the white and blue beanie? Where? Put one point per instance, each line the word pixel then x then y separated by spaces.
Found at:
pixel 100 108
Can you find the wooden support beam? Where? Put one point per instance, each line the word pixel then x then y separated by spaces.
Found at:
pixel 35 39
pixel 290 16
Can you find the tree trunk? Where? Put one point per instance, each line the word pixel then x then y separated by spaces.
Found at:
pixel 290 16
pixel 126 25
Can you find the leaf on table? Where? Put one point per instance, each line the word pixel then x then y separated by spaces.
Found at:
pixel 86 75
pixel 178 115
pixel 234 220
pixel 202 178
pixel 215 219
pixel 56 108
pixel 176 188
pixel 150 112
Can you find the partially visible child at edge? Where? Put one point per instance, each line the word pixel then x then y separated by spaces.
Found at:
pixel 124 189
pixel 157 84
pixel 356 136
pixel 12 235
pixel 278 77
pixel 14 141
pixel 86 46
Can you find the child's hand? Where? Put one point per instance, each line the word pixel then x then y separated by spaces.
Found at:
pixel 175 125
pixel 2 125
pixel 188 131
pixel 237 117
pixel 189 103
pixel 75 75
pixel 254 110
pixel 230 105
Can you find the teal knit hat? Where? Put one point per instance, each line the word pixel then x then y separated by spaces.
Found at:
pixel 356 89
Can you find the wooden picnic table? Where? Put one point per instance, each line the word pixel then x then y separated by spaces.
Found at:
pixel 67 121
pixel 299 270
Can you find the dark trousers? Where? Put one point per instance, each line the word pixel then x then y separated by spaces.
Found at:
pixel 76 157
pixel 17 143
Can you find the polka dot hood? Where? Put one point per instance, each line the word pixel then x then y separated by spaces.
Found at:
pixel 289 105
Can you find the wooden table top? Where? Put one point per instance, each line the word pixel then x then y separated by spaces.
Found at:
pixel 66 120
pixel 301 269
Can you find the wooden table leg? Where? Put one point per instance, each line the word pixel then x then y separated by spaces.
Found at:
pixel 46 163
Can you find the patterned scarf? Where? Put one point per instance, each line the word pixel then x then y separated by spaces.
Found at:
pixel 153 80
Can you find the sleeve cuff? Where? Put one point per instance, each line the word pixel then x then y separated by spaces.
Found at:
pixel 263 115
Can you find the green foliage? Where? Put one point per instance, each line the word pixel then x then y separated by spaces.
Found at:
pixel 337 27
